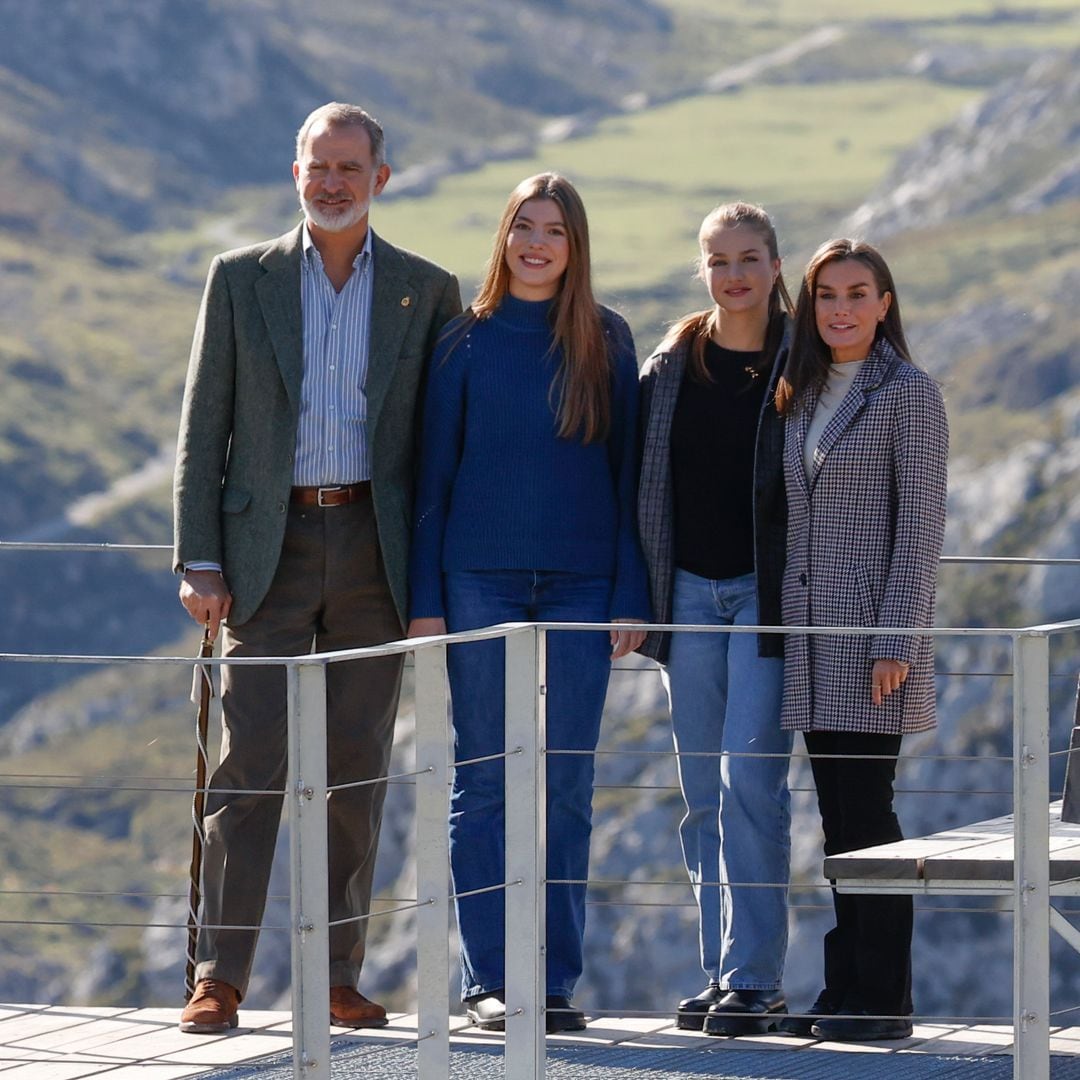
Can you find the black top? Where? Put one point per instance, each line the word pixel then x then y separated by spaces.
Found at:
pixel 713 434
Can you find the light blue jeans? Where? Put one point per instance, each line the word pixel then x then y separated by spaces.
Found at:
pixel 725 700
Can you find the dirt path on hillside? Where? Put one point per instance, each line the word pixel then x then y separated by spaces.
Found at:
pixel 733 76
pixel 90 509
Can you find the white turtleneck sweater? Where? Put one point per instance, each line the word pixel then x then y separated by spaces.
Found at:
pixel 840 380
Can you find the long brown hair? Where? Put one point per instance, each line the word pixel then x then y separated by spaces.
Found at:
pixel 808 362
pixel 581 390
pixel 698 327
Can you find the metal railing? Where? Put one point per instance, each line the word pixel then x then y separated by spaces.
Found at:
pixel 525 751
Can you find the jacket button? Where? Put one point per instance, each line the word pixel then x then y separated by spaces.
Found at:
pixel 281 508
pixel 802 579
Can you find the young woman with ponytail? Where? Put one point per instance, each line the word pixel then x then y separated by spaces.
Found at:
pixel 713 519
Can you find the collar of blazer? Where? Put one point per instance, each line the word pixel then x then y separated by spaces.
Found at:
pixel 278 293
pixel 874 372
pixel 393 304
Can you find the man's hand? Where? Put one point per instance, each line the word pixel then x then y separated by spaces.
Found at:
pixel 624 642
pixel 206 598
pixel 886 677
pixel 426 628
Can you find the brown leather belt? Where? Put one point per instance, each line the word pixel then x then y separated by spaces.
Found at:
pixel 339 495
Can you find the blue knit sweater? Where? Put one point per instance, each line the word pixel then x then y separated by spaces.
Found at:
pixel 498 488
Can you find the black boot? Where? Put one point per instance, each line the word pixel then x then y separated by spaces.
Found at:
pixel 562 1016
pixel 745 1012
pixel 860 1025
pixel 828 1003
pixel 691 1012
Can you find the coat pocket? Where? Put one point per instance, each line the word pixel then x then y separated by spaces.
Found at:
pixel 864 607
pixel 849 654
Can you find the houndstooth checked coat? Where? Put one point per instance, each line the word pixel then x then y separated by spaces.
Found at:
pixel 864 539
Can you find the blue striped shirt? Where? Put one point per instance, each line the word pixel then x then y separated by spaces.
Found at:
pixel 331 441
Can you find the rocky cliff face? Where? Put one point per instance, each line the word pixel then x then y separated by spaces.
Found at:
pixel 1016 148
pixel 148 106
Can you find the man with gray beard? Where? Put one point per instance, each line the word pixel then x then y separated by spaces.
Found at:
pixel 293 507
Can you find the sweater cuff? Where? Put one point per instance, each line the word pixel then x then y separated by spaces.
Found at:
pixel 427 603
pixel 629 602
pixel 895 647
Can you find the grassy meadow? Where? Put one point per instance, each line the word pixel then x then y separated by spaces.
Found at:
pixel 808 153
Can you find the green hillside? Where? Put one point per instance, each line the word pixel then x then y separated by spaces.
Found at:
pixel 649 178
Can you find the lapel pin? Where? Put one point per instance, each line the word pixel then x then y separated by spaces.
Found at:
pixel 405 301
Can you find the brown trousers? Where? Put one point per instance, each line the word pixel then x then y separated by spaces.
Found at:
pixel 329 592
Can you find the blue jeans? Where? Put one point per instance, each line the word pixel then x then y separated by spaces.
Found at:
pixel 725 699
pixel 578 665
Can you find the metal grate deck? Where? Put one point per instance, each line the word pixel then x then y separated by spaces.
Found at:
pixel 650 1063
pixel 57 1042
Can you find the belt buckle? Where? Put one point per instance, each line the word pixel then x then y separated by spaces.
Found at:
pixel 325 490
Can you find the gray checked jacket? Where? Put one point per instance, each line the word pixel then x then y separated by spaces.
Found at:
pixel 661 379
pixel 864 539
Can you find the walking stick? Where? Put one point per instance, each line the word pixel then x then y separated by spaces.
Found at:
pixel 202 690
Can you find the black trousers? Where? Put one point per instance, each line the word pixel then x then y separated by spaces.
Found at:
pixel 868 953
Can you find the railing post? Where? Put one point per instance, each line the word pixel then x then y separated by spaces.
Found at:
pixel 1031 856
pixel 526 853
pixel 307 871
pixel 432 864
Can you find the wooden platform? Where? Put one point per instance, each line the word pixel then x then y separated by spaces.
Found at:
pixel 972 859
pixel 71 1042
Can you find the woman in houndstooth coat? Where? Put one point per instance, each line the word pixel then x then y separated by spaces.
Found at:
pixel 866 445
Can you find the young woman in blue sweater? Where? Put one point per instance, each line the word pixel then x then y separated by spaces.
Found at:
pixel 525 511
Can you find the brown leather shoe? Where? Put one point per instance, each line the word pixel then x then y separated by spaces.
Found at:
pixel 349 1008
pixel 212 1008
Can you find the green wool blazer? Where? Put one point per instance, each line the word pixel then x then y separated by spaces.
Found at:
pixel 237 441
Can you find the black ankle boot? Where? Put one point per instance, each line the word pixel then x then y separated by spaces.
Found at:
pixel 562 1016
pixel 691 1012
pixel 827 1003
pixel 745 1012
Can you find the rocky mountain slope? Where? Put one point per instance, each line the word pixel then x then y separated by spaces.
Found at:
pixel 1014 150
